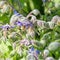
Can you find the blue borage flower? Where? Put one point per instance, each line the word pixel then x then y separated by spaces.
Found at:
pixel 33 52
pixel 29 25
pixel 37 51
pixel 32 49
pixel 19 23
pixel 6 27
pixel 15 12
pixel 24 23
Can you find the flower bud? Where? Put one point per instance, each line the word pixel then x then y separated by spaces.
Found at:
pixel 54 46
pixel 43 42
pixel 2 3
pixel 45 53
pixel 51 25
pixel 49 58
pixel 42 24
pixel 35 12
pixel 55 19
pixel 31 57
